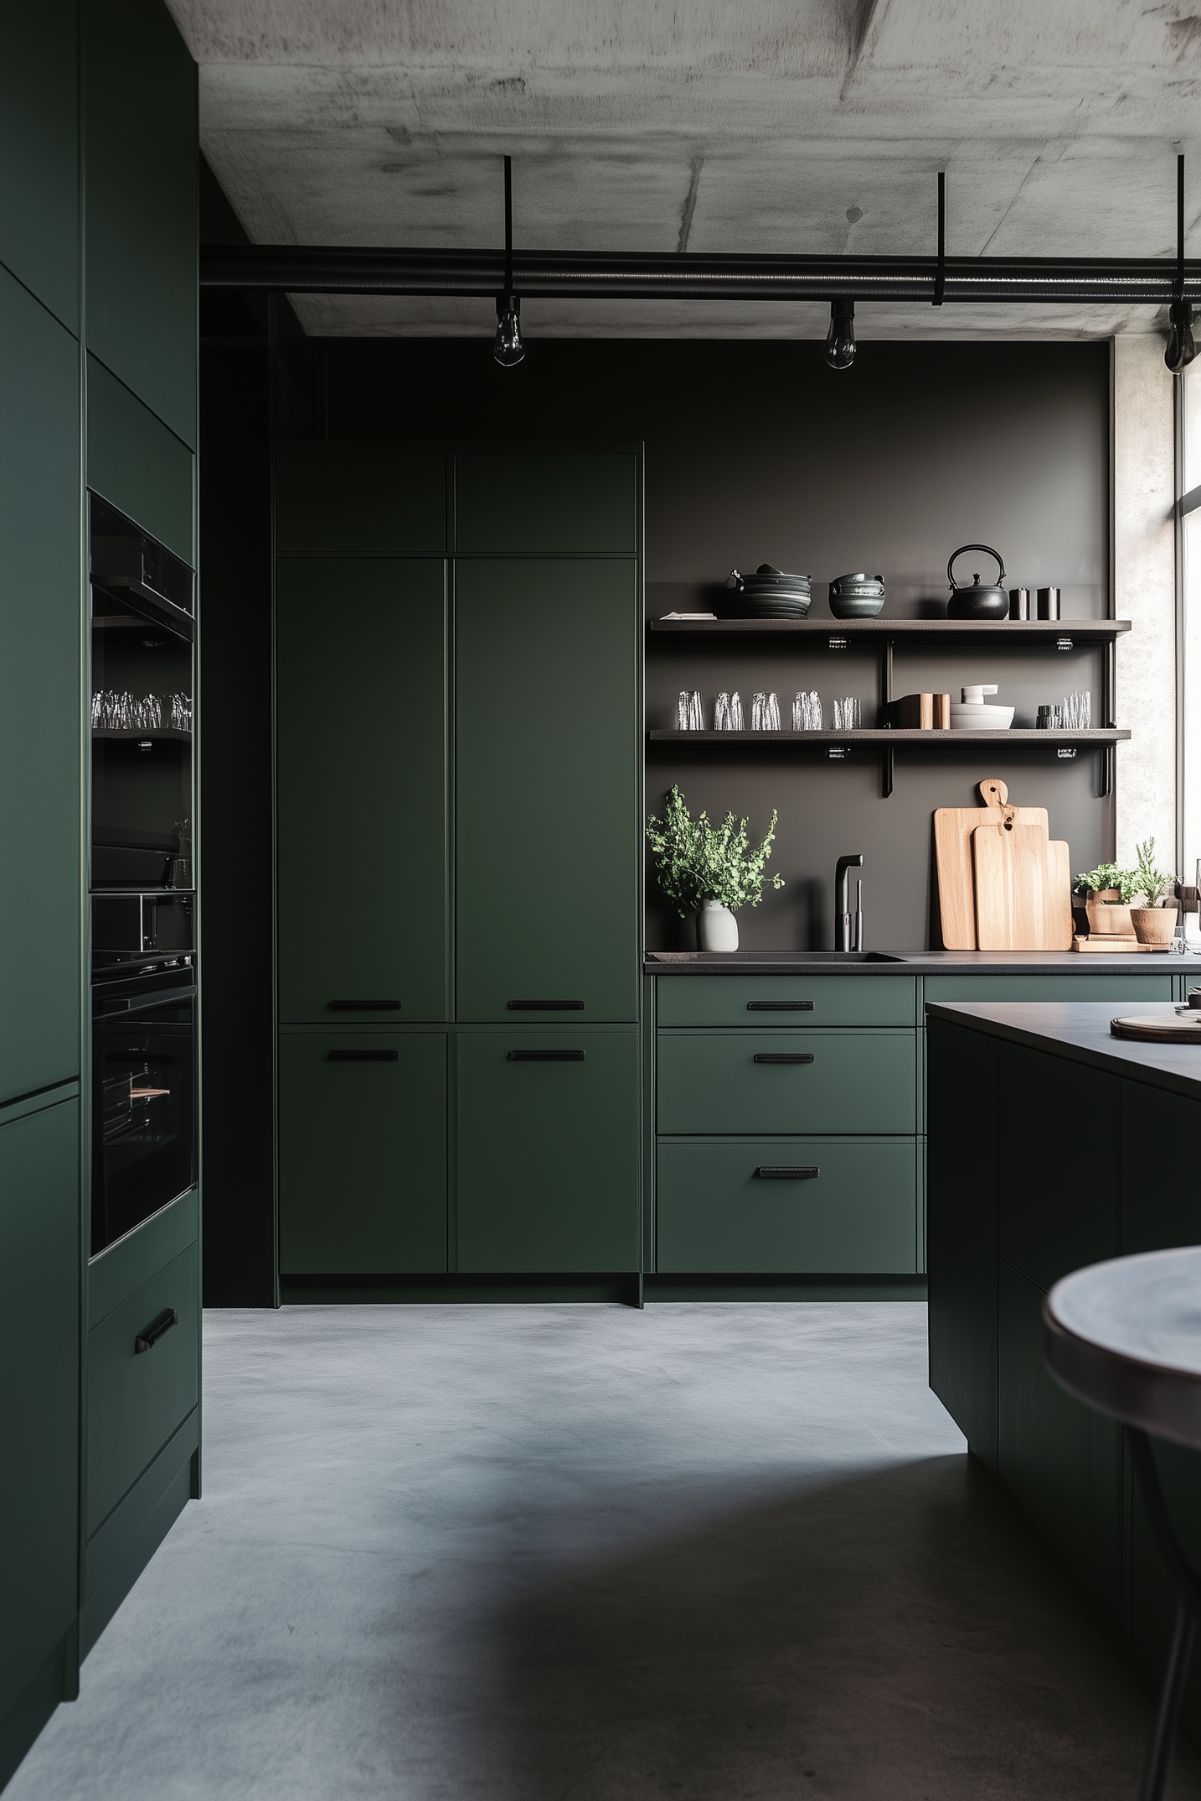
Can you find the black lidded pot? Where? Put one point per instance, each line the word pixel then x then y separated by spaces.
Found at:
pixel 980 601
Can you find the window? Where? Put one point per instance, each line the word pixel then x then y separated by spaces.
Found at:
pixel 1189 507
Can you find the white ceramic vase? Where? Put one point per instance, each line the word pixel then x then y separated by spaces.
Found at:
pixel 716 928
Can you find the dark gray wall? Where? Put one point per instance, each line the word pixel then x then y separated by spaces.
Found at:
pixel 759 452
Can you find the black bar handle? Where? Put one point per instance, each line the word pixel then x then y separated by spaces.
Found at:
pixel 545 1006
pixel 545 1056
pixel 344 1056
pixel 779 1006
pixel 783 1056
pixel 149 1336
pixel 787 1172
pixel 363 1006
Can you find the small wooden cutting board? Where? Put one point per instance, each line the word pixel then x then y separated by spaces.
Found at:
pixel 1158 1031
pixel 953 829
pixel 1023 889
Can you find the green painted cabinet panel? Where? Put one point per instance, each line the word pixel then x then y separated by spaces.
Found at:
pixel 362 1153
pixel 779 1082
pixel 137 1398
pixel 39 1350
pixel 1060 1460
pixel 1066 987
pixel 359 500
pixel 39 153
pixel 361 790
pixel 548 789
pixel 1057 1169
pixel 137 464
pixel 40 698
pixel 961 1230
pixel 855 1215
pixel 548 1152
pixel 763 1001
pixel 536 502
pixel 140 204
pixel 1159 1136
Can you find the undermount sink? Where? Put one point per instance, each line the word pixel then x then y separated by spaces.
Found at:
pixel 774 957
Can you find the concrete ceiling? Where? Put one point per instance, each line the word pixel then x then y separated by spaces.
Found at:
pixel 718 125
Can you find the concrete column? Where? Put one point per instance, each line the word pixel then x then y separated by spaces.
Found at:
pixel 1144 583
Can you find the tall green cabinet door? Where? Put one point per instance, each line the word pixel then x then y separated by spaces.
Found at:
pixel 39 152
pixel 141 162
pixel 39 1347
pixel 361 790
pixel 362 1153
pixel 547 784
pixel 548 1152
pixel 40 700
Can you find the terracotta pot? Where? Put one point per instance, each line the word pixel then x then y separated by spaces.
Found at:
pixel 1105 916
pixel 1154 925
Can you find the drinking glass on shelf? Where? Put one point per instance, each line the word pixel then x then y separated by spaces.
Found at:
pixel 737 717
pixel 848 714
pixel 760 712
pixel 721 713
pixel 807 711
pixel 771 713
pixel 689 717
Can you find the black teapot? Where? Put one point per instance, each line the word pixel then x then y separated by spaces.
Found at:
pixel 979 601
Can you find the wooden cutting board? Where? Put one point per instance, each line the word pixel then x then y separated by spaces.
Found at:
pixel 1023 889
pixel 1158 1031
pixel 953 828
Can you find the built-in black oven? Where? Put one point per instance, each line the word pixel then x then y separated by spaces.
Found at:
pixel 144 1065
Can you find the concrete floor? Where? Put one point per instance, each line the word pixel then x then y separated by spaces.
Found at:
pixel 586 1554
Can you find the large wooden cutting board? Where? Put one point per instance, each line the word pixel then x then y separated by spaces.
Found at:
pixel 1023 889
pixel 953 828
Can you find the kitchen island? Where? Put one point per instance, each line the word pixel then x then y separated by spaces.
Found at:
pixel 1052 1145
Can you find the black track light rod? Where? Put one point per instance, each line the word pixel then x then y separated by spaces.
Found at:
pixel 1179 294
pixel 508 225
pixel 940 279
pixel 296 269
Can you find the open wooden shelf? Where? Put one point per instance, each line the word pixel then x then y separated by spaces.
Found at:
pixel 1019 631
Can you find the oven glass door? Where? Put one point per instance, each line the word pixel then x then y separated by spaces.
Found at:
pixel 143 1103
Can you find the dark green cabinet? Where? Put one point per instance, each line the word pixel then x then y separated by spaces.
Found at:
pixel 548 1150
pixel 362 790
pixel 362 1153
pixel 359 500
pixel 137 464
pixel 140 204
pixel 547 781
pixel 41 701
pixel 766 1002
pixel 520 502
pixel 39 153
pixel 39 1351
pixel 778 1082
pixel 1062 987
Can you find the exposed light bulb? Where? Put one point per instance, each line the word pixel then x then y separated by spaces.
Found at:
pixel 1181 348
pixel 840 340
pixel 508 349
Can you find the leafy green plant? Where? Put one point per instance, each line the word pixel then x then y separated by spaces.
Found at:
pixel 1151 882
pixel 1111 875
pixel 696 860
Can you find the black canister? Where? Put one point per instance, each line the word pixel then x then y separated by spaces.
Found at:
pixel 1019 603
pixel 1048 603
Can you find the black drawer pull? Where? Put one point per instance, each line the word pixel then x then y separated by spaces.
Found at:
pixel 149 1336
pixel 787 1172
pixel 362 1056
pixel 779 1006
pixel 783 1056
pixel 545 1006
pixel 363 1006
pixel 545 1056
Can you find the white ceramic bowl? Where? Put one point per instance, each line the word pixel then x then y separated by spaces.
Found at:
pixel 968 718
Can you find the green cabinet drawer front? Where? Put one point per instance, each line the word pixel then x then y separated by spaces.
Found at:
pixel 136 1398
pixel 139 465
pixel 856 1216
pixel 548 1151
pixel 40 705
pixel 549 852
pixel 1057 1164
pixel 1049 988
pixel 140 204
pixel 39 1349
pixel 364 500
pixel 362 1153
pixel 570 503
pixel 361 791
pixel 763 1001
pixel 39 153
pixel 778 1082
pixel 1060 1460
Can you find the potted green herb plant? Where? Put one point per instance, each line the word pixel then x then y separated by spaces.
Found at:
pixel 1155 921
pixel 1109 889
pixel 709 869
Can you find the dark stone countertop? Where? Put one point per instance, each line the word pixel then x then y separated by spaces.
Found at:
pixel 1079 1031
pixel 914 963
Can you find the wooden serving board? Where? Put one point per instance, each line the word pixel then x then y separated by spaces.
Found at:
pixel 1110 944
pixel 1023 889
pixel 1158 1031
pixel 953 829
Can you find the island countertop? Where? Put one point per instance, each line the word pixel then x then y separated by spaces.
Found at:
pixel 1079 1031
pixel 916 963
